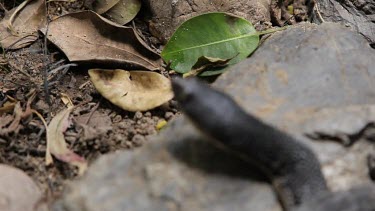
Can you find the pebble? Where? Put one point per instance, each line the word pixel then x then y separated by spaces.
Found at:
pixel 138 140
pixel 124 124
pixel 119 138
pixel 138 115
pixel 147 114
pixel 168 115
pixel 155 119
pixel 117 119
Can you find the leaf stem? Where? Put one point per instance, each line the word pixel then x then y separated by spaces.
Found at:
pixel 269 31
pixel 192 73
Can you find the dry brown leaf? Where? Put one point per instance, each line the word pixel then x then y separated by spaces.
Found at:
pixel 7 107
pixel 103 6
pixel 85 36
pixel 124 11
pixel 56 144
pixel 23 31
pixel 132 90
pixel 14 126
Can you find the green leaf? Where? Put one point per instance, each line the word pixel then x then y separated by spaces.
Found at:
pixel 216 35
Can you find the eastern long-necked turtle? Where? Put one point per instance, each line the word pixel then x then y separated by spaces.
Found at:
pixel 310 82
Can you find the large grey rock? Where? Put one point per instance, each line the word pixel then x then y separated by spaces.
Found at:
pixel 357 14
pixel 316 81
pixel 306 79
pixel 176 171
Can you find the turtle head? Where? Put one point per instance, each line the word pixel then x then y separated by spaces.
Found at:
pixel 201 103
pixel 185 90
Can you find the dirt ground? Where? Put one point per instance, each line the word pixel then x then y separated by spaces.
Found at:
pixel 23 73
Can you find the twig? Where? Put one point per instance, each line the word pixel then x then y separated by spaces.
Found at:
pixel 18 84
pixel 45 72
pixel 65 69
pixel 84 84
pixel 56 64
pixel 42 130
pixel 92 112
pixel 40 117
pixel 317 10
pixel 47 154
pixel 3 8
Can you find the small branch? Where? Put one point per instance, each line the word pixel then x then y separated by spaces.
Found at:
pixel 317 10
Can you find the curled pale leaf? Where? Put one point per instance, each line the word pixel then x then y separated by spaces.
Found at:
pixel 56 144
pixel 132 90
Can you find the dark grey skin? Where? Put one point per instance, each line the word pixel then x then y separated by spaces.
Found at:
pixel 291 166
pixel 356 199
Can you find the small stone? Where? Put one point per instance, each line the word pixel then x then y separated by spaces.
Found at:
pixel 117 119
pixel 138 140
pixel 131 131
pixel 112 115
pixel 144 120
pixel 33 136
pixel 168 115
pixel 41 106
pixel 173 104
pixel 127 143
pixel 124 124
pixel 147 114
pixel 150 130
pixel 107 112
pixel 119 138
pixel 138 115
